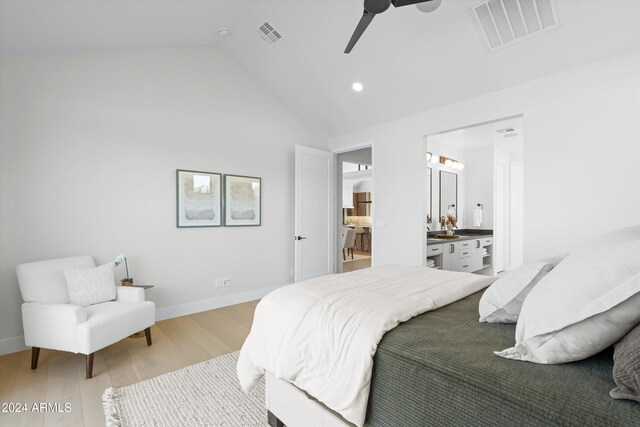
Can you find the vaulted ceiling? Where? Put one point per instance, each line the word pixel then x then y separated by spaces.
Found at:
pixel 408 61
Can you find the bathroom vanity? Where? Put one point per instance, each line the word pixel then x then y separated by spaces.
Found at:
pixel 472 252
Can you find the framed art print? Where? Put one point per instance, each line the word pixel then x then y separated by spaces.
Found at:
pixel 242 201
pixel 199 199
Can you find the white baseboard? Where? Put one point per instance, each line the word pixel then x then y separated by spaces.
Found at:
pixel 210 304
pixel 14 344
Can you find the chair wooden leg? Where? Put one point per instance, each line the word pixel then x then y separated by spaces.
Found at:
pixel 147 333
pixel 344 258
pixel 35 354
pixel 90 365
pixel 351 253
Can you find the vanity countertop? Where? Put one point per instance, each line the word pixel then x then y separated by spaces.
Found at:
pixel 464 234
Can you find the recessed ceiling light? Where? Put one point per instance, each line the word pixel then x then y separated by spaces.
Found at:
pixel 223 32
pixel 357 86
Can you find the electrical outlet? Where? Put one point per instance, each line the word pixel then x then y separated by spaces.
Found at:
pixel 218 283
pixel 226 282
pixel 291 272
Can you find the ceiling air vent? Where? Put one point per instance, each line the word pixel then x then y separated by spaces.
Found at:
pixel 268 33
pixel 503 23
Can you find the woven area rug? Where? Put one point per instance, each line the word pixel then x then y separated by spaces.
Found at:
pixel 205 394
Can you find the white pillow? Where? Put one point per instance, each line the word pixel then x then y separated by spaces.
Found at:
pixel 502 301
pixel 91 285
pixel 585 304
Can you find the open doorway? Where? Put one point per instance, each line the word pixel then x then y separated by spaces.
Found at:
pixel 356 193
pixel 474 214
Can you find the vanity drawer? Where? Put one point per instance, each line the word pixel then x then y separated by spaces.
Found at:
pixel 469 265
pixel 465 253
pixel 467 244
pixel 466 267
pixel 486 241
pixel 434 250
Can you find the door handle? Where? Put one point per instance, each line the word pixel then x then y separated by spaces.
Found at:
pixel 299 238
pixel 452 248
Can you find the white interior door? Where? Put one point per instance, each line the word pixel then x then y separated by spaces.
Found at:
pixel 314 213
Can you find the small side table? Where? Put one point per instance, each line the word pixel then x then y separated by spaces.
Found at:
pixel 145 287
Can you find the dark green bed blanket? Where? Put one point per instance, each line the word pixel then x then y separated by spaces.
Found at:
pixel 438 369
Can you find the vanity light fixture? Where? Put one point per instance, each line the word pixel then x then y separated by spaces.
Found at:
pixel 451 163
pixel 432 158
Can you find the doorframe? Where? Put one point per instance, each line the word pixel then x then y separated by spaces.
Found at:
pixel 425 148
pixel 337 217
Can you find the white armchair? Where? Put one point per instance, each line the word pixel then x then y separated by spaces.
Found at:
pixel 50 321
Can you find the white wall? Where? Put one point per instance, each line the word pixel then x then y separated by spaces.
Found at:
pixel 581 158
pixel 479 169
pixel 90 144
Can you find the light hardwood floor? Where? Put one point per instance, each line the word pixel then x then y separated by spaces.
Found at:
pixel 60 377
pixel 357 264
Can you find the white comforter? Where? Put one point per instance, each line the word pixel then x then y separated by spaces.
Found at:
pixel 321 335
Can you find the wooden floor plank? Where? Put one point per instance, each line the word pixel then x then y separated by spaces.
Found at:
pixel 166 350
pixel 187 346
pixel 228 331
pixel 29 388
pixel 9 366
pixel 63 388
pixel 120 367
pixel 205 338
pixel 146 359
pixel 91 392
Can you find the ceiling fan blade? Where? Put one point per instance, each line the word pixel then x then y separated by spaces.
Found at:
pixel 362 25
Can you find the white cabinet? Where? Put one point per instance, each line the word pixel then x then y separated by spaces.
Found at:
pixel 467 255
pixel 434 255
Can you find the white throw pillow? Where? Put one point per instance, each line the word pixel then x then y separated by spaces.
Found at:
pixel 91 285
pixel 585 304
pixel 502 301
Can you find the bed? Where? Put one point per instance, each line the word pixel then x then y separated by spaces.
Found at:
pixel 437 369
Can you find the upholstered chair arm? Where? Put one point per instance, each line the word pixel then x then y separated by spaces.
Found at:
pixel 129 294
pixel 51 325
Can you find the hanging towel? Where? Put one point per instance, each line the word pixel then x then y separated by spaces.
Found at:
pixel 477 217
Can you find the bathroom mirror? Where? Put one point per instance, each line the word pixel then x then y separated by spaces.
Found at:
pixel 448 194
pixel 429 196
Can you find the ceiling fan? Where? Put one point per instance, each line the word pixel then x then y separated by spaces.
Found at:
pixel 374 7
